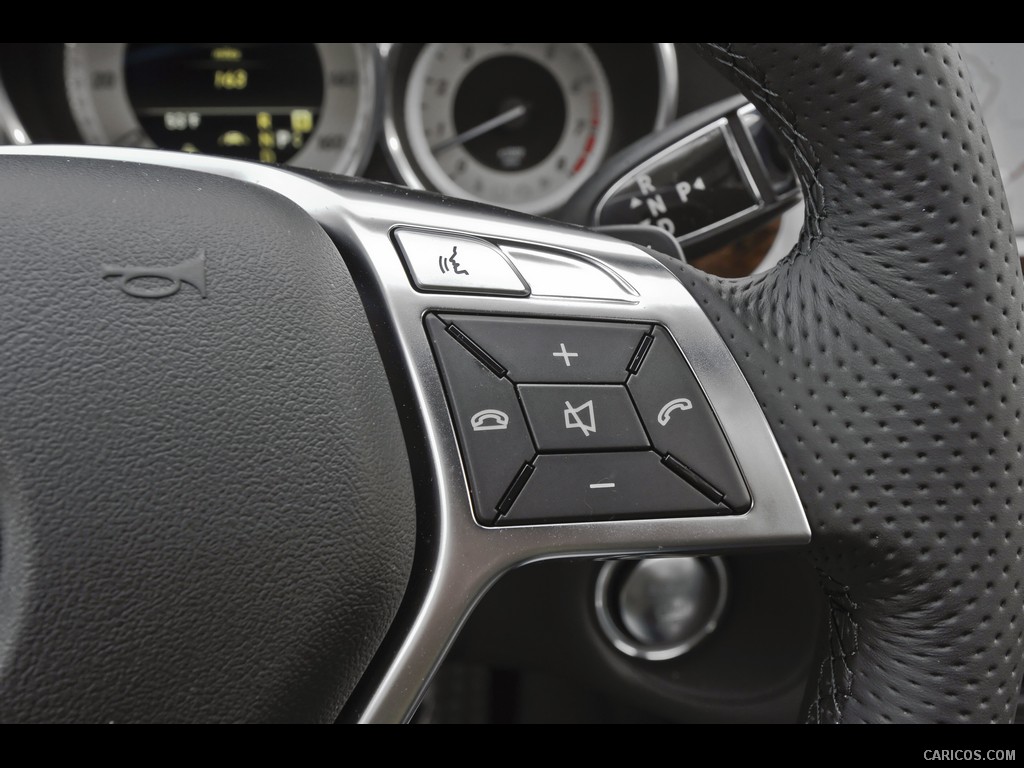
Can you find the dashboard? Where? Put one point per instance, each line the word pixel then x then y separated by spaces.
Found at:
pixel 521 125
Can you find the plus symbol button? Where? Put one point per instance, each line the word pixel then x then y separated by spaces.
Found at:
pixel 565 355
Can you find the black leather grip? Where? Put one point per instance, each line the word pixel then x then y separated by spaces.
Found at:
pixel 886 351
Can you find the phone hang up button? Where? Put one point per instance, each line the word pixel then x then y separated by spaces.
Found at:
pixel 492 429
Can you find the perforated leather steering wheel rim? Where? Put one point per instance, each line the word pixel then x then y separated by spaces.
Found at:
pixel 886 351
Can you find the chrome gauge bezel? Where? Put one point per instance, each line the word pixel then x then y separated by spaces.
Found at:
pixel 108 118
pixel 409 165
pixel 529 190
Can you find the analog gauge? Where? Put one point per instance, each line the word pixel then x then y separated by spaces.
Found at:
pixel 307 104
pixel 520 125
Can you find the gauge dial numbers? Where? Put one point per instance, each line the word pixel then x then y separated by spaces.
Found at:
pixel 312 105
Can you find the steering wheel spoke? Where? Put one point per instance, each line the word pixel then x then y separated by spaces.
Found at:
pixel 563 361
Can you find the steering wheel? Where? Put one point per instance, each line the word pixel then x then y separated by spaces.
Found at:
pixel 263 442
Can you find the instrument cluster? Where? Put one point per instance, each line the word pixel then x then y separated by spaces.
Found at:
pixel 521 125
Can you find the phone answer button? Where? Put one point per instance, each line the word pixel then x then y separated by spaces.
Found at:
pixel 680 421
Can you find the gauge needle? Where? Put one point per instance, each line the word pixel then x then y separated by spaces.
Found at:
pixel 485 127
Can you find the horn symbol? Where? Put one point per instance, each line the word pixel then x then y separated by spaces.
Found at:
pixel 192 272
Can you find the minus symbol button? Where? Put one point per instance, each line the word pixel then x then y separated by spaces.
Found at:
pixel 601 486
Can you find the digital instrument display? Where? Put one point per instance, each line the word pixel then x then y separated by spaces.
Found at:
pixel 255 101
pixel 307 104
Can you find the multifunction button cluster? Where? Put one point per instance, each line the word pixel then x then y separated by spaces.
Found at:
pixel 566 421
